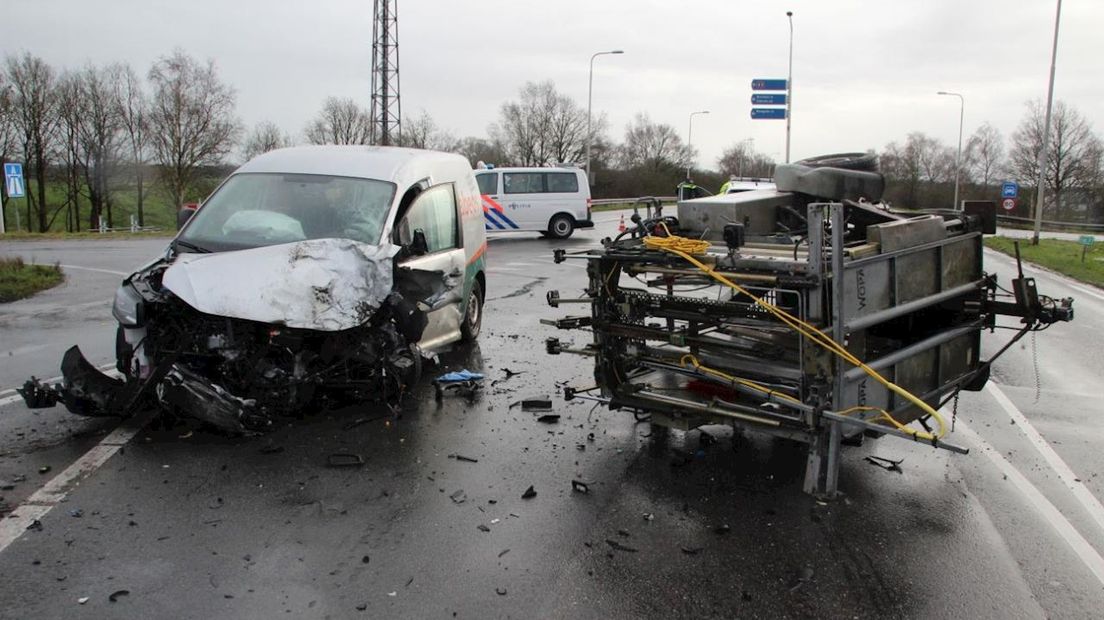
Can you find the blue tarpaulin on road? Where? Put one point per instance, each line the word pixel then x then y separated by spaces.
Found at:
pixel 459 375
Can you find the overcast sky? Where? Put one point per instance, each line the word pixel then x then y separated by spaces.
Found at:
pixel 865 71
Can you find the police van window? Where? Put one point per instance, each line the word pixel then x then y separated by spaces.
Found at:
pixel 488 182
pixel 563 182
pixel 433 212
pixel 523 182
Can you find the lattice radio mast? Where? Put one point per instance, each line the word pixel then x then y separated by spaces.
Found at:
pixel 386 107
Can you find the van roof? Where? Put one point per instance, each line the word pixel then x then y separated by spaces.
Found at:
pixel 531 169
pixel 401 166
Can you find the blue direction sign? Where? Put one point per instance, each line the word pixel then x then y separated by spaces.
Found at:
pixel 1010 189
pixel 766 84
pixel 776 113
pixel 13 180
pixel 768 99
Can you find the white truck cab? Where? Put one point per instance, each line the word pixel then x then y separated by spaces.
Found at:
pixel 551 201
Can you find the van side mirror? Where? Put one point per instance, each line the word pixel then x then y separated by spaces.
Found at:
pixel 183 215
pixel 418 244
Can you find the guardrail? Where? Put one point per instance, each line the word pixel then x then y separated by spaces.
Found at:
pixel 627 201
pixel 1011 219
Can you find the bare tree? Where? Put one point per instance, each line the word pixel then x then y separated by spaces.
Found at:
pixel 481 150
pixel 133 111
pixel 191 120
pixel 542 127
pixel 985 155
pixel 100 137
pixel 653 146
pixel 741 159
pixel 422 132
pixel 341 121
pixel 33 85
pixel 1073 160
pixel 70 118
pixel 8 142
pixel 922 163
pixel 264 137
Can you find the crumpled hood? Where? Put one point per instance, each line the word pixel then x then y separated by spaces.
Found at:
pixel 320 284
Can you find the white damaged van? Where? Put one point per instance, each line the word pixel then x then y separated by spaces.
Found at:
pixel 551 201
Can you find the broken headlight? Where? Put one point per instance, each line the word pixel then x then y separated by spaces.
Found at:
pixel 128 307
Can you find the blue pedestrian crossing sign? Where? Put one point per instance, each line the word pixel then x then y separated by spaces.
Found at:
pixel 1010 189
pixel 13 180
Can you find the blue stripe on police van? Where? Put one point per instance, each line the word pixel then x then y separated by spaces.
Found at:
pixel 502 215
pixel 487 216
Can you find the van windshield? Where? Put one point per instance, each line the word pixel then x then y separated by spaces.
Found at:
pixel 258 209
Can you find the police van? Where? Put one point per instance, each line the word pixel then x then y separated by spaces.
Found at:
pixel 551 201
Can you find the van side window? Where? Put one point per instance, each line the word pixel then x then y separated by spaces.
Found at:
pixel 488 182
pixel 523 182
pixel 563 182
pixel 434 213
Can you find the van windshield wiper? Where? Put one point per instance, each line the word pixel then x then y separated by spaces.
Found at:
pixel 191 246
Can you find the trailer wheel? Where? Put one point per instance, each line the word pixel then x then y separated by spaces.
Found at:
pixel 561 226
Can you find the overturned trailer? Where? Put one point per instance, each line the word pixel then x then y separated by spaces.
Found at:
pixel 810 312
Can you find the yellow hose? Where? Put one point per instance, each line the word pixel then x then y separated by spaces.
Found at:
pixel 685 248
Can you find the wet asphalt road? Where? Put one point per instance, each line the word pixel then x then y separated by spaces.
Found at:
pixel 199 526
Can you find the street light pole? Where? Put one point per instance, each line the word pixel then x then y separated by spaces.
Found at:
pixel 958 157
pixel 789 89
pixel 590 98
pixel 1046 133
pixel 689 138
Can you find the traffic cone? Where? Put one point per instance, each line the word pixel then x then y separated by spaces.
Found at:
pixel 621 225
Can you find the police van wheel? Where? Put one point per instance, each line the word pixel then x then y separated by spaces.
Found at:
pixel 473 318
pixel 561 226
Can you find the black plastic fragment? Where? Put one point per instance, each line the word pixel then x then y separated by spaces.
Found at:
pixel 344 459
pixel 616 546
pixel 461 457
pixel 579 486
pixel 114 596
pixel 886 464
pixel 549 418
pixel 536 403
pixel 691 550
pixel 529 493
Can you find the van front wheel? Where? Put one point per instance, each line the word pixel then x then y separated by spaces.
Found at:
pixel 561 226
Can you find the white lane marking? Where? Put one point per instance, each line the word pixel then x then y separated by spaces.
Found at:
pixel 111 271
pixel 43 500
pixel 1065 474
pixel 1086 291
pixel 1085 551
pixel 105 367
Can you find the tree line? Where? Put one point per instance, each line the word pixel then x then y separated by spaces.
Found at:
pixel 94 137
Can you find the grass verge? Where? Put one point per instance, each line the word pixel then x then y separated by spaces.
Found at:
pixel 19 280
pixel 1058 255
pixel 33 236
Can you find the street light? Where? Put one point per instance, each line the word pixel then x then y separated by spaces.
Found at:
pixel 590 97
pixel 789 89
pixel 689 138
pixel 1046 133
pixel 958 157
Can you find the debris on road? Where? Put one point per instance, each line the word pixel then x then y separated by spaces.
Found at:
pixel 344 459
pixel 82 600
pixel 886 464
pixel 483 528
pixel 503 552
pixel 691 550
pixel 723 528
pixel 619 547
pixel 76 513
pixel 459 497
pixel 461 457
pixel 579 486
pixel 114 596
pixel 463 383
pixel 35 526
pixel 529 493
pixel 365 560
pixel 535 403
pixel 549 418
pixel 500 591
pixel 271 449
pixel 45 469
